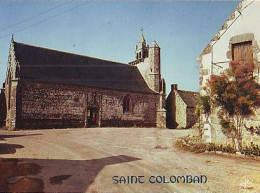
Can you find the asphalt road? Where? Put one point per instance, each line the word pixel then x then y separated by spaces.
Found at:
pixel 112 159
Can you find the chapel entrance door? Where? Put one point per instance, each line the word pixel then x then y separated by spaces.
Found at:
pixel 92 117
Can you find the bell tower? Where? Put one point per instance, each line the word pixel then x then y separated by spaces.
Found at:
pixel 148 62
pixel 155 66
pixel 141 49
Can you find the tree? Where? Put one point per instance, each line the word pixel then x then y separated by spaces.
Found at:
pixel 237 93
pixel 203 106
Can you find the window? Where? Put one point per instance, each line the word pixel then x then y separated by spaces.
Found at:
pixel 205 71
pixel 127 104
pixel 242 51
pixel 145 53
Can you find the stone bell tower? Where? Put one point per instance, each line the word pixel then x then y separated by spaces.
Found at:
pixel 155 66
pixel 148 61
pixel 141 49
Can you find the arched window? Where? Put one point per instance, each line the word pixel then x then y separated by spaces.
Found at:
pixel 127 104
pixel 162 86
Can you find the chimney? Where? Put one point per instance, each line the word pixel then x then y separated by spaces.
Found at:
pixel 174 87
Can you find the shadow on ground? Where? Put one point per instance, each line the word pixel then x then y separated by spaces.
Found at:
pixel 3 137
pixel 6 148
pixel 53 175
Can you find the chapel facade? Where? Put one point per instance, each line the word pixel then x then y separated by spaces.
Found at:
pixel 47 88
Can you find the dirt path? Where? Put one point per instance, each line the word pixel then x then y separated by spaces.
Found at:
pixel 85 160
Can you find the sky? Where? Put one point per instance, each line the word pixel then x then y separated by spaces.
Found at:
pixel 111 29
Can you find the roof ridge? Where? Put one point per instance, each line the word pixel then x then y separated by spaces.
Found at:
pixel 188 91
pixel 75 54
pixel 232 17
pixel 188 97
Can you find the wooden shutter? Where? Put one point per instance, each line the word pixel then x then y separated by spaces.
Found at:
pixel 242 51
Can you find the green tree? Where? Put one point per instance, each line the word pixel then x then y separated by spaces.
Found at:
pixel 203 106
pixel 237 93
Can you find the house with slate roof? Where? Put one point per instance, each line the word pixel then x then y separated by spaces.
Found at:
pixel 237 40
pixel 47 88
pixel 180 107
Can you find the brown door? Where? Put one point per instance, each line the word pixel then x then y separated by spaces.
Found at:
pixel 92 117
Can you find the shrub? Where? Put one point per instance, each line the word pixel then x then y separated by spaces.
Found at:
pixel 252 150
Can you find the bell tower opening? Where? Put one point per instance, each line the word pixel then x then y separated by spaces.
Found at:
pixel 141 49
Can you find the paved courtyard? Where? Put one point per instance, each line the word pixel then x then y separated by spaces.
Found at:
pixel 89 160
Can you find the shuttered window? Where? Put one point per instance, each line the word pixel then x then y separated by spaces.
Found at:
pixel 242 51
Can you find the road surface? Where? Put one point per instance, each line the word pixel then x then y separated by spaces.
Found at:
pixel 111 159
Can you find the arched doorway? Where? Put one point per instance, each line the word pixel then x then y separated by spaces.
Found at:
pixel 92 118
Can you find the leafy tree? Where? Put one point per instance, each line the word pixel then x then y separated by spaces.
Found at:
pixel 203 105
pixel 237 93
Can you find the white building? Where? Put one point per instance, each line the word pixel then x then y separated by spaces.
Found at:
pixel 238 39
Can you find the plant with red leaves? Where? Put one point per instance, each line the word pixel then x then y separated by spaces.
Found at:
pixel 237 93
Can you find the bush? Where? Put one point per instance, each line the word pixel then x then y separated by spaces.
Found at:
pixel 198 148
pixel 224 148
pixel 252 150
pixel 191 143
pixel 228 149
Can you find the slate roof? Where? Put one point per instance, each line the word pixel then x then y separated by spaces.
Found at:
pixel 42 64
pixel 190 98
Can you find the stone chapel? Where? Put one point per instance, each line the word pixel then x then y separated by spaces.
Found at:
pixel 46 88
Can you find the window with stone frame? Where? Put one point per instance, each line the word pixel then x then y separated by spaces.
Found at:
pixel 242 51
pixel 127 104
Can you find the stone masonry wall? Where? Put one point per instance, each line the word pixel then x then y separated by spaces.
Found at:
pixel 150 69
pixel 181 116
pixel 171 111
pixel 50 106
pixel 3 108
pixel 247 137
pixel 45 105
pixel 191 118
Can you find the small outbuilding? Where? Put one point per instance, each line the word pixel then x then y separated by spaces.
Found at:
pixel 180 107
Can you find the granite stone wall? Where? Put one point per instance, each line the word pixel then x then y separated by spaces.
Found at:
pixel 181 115
pixel 191 118
pixel 2 108
pixel 42 105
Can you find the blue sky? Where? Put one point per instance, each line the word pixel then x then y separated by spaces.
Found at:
pixel 110 30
